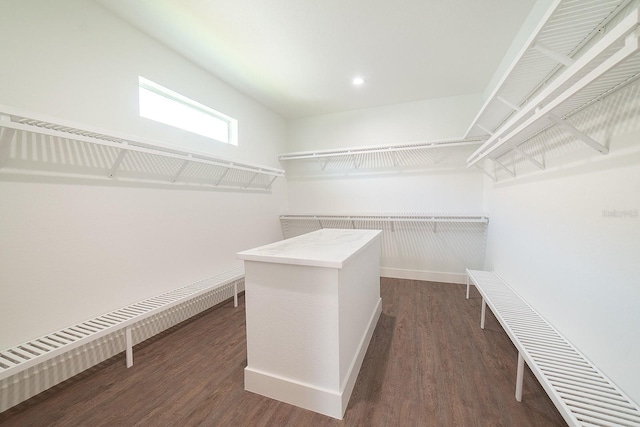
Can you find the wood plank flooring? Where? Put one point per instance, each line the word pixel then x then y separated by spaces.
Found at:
pixel 428 364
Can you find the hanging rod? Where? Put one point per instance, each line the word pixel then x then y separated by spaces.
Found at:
pixel 379 149
pixel 604 68
pixel 15 119
pixel 391 218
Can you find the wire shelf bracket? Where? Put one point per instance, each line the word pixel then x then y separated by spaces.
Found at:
pixel 506 169
pixel 493 177
pixel 578 134
pixel 182 168
pixel 116 164
pixel 5 147
pixel 529 157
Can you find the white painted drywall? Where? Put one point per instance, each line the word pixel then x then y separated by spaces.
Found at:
pixel 432 186
pixel 553 236
pixel 453 192
pixel 72 249
pixel 447 189
pixel 85 68
pixel 427 120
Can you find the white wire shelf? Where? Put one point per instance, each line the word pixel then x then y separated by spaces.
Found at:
pixel 392 218
pixel 566 28
pixel 607 66
pixel 366 221
pixel 179 166
pixel 379 156
pixel 430 245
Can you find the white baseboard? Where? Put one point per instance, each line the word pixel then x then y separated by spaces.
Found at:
pixel 307 396
pixel 429 276
pixel 332 403
pixel 354 369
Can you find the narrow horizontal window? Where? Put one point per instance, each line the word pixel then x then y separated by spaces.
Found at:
pixel 166 106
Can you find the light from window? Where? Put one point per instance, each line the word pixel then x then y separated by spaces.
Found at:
pixel 166 106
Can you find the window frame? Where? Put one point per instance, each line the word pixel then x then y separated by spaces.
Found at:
pixel 181 100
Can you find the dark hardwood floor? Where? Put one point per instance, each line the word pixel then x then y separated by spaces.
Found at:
pixel 428 364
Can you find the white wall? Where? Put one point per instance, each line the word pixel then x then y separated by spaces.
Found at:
pixel 85 68
pixel 72 249
pixel 428 120
pixel 552 238
pixel 443 187
pixel 439 192
pixel 437 182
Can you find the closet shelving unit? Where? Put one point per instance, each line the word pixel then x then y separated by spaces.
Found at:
pixel 610 63
pixel 418 244
pixel 357 221
pixel 387 155
pixel 180 166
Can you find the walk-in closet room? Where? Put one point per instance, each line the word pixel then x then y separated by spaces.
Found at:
pixel 319 213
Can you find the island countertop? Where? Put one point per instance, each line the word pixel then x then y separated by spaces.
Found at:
pixel 330 248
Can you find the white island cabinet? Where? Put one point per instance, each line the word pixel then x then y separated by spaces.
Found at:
pixel 312 304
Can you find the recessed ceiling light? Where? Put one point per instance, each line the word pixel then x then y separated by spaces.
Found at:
pixel 358 81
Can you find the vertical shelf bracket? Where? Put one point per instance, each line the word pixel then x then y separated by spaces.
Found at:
pixel 268 187
pixel 182 168
pixel 355 163
pixel 226 171
pixel 578 134
pixel 509 171
pixel 394 157
pixel 251 180
pixel 5 141
pixel 485 172
pixel 528 156
pixel 438 158
pixel 116 164
pixel 324 164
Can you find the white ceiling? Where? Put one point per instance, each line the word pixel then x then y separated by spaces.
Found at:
pixel 298 57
